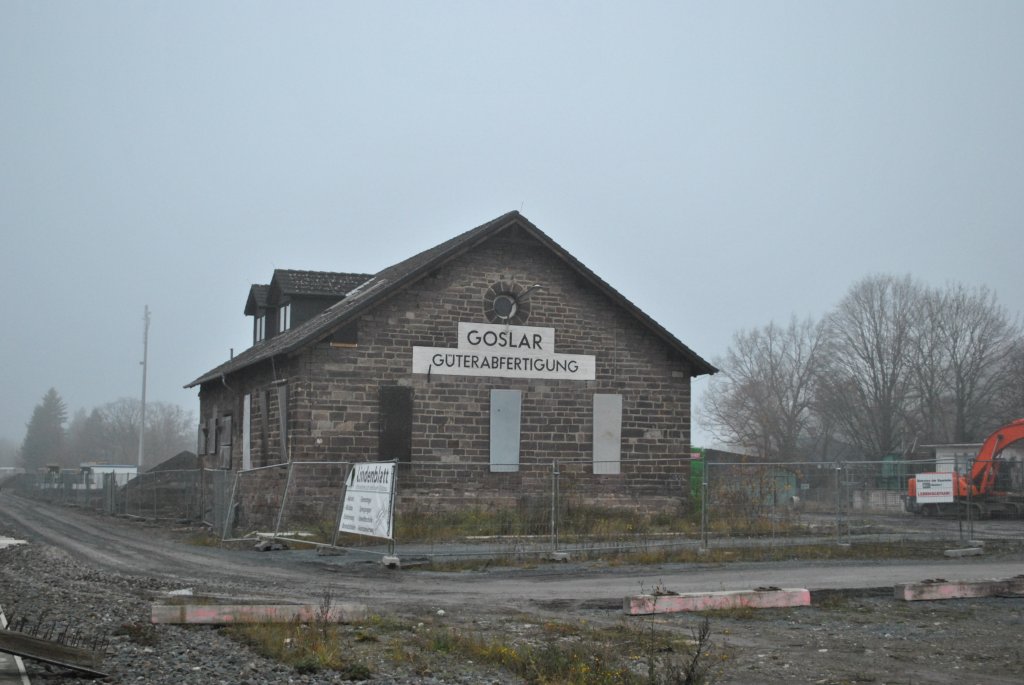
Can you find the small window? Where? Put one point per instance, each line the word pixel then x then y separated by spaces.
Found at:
pixel 284 318
pixel 260 332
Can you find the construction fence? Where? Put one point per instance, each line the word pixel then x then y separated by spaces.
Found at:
pixel 566 508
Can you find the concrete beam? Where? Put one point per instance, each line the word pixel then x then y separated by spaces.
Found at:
pixel 770 598
pixel 945 589
pixel 219 614
pixel 964 552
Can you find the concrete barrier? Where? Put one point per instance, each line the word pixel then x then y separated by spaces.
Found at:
pixel 761 598
pixel 941 588
pixel 964 552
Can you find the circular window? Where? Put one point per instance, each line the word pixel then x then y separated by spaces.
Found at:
pixel 503 304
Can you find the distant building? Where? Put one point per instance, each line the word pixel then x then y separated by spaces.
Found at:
pixel 92 475
pixel 475 364
pixel 959 457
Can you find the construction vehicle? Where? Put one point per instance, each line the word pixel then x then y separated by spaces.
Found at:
pixel 988 490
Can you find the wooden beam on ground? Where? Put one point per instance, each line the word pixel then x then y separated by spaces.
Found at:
pixel 49 652
pixel 221 614
pixel 763 598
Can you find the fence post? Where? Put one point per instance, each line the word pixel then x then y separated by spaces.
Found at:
pixel 554 505
pixel 970 507
pixel 202 492
pixel 284 500
pixel 839 502
pixel 230 512
pixel 704 503
pixel 343 490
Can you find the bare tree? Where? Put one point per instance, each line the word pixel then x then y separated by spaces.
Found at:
pixel 871 336
pixel 763 398
pixel 121 428
pixel 977 337
pixel 1010 395
pixel 929 397
pixel 168 430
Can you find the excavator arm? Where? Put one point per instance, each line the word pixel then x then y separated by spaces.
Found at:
pixel 986 466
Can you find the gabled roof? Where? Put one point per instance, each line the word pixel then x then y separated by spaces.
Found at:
pixel 257 299
pixel 398 277
pixel 316 283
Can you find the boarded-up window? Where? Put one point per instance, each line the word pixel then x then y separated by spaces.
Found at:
pixel 224 434
pixel 282 417
pixel 247 432
pixel 607 434
pixel 201 441
pixel 506 412
pixel 396 423
pixel 225 431
pixel 264 397
pixel 211 435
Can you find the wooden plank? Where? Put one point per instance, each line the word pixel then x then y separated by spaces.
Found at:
pixel 49 652
pixel 222 614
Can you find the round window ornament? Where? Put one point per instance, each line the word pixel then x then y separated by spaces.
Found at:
pixel 505 303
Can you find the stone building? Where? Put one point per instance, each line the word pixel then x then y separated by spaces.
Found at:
pixel 476 364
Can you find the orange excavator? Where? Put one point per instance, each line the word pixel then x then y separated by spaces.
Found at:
pixel 985 489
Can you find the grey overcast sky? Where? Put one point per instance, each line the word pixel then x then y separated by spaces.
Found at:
pixel 723 164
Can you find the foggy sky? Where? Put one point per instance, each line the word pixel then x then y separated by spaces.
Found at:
pixel 722 165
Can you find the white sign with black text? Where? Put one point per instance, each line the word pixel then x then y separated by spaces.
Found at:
pixel 504 351
pixel 934 488
pixel 369 500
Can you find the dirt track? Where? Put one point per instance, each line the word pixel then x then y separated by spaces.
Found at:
pixel 859 636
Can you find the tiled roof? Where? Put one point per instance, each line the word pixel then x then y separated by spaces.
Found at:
pixel 397 277
pixel 317 283
pixel 257 299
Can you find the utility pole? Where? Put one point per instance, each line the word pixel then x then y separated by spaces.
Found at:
pixel 145 359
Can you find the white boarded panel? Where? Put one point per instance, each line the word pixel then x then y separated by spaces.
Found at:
pixel 246 432
pixel 506 411
pixel 607 434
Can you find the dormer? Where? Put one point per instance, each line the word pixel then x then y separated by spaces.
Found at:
pixel 256 306
pixel 294 296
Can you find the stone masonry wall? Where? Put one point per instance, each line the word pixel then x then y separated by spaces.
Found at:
pixel 333 392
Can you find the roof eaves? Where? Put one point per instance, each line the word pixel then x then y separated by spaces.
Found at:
pixel 394 279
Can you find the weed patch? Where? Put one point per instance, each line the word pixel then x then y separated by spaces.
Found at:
pixel 140 633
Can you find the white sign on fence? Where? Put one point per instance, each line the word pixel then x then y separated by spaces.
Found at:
pixel 369 500
pixel 934 487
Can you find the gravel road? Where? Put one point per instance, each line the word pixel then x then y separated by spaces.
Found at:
pixel 103 573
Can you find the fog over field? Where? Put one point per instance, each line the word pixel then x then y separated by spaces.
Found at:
pixel 722 165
